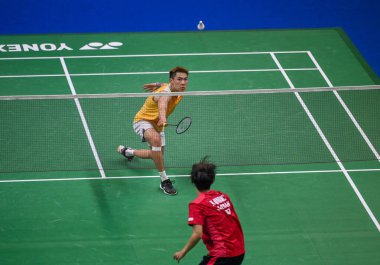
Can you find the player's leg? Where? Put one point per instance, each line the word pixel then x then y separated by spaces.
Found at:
pixel 157 143
pixel 155 152
pixel 143 153
pixel 139 127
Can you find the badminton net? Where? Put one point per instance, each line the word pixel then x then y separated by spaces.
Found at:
pixel 249 127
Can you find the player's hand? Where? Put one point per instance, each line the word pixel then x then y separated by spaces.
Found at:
pixel 178 255
pixel 152 86
pixel 162 122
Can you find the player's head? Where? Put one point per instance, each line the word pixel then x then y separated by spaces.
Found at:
pixel 178 69
pixel 179 77
pixel 203 174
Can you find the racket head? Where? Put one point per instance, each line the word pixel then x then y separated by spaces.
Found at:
pixel 183 125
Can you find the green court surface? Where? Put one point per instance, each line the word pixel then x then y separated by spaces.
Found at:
pixel 302 169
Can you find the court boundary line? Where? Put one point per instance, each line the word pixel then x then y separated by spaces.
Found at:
pixel 147 55
pixel 345 107
pixel 328 145
pixel 83 118
pixel 234 174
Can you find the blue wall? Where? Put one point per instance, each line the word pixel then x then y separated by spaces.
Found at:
pixel 359 18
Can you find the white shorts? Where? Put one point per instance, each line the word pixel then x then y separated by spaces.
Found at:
pixel 141 126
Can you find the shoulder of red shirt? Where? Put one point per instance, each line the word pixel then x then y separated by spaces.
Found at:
pixel 202 195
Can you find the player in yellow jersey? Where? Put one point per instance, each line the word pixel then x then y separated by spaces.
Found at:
pixel 151 119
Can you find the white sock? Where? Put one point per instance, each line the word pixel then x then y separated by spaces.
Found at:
pixel 163 175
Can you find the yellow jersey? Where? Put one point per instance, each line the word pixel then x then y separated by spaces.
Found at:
pixel 149 111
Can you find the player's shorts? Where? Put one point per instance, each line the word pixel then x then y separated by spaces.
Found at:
pixel 141 126
pixel 209 260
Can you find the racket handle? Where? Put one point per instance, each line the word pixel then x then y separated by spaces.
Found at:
pixel 164 126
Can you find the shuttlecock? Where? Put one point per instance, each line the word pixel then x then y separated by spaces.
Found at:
pixel 201 26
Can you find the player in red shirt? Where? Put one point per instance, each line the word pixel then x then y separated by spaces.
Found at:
pixel 213 218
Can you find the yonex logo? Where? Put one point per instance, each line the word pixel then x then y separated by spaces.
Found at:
pixel 100 46
pixel 51 47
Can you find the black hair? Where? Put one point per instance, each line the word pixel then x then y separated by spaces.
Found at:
pixel 178 69
pixel 203 174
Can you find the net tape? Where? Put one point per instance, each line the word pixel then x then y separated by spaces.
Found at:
pixel 195 93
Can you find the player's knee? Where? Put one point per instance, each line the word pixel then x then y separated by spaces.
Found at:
pixel 155 140
pixel 155 143
pixel 156 148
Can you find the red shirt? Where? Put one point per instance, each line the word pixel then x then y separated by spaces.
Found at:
pixel 222 232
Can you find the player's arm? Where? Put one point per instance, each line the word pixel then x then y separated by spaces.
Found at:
pixel 152 86
pixel 193 240
pixel 162 108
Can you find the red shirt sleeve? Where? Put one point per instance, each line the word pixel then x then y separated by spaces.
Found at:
pixel 196 215
pixel 196 211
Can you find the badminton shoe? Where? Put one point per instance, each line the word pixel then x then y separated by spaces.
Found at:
pixel 126 152
pixel 167 187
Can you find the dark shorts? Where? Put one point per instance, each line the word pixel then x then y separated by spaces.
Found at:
pixel 209 260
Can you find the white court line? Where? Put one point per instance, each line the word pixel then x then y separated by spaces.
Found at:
pixel 357 125
pixel 328 145
pixel 233 174
pixel 152 73
pixel 84 122
pixel 30 76
pixel 149 55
